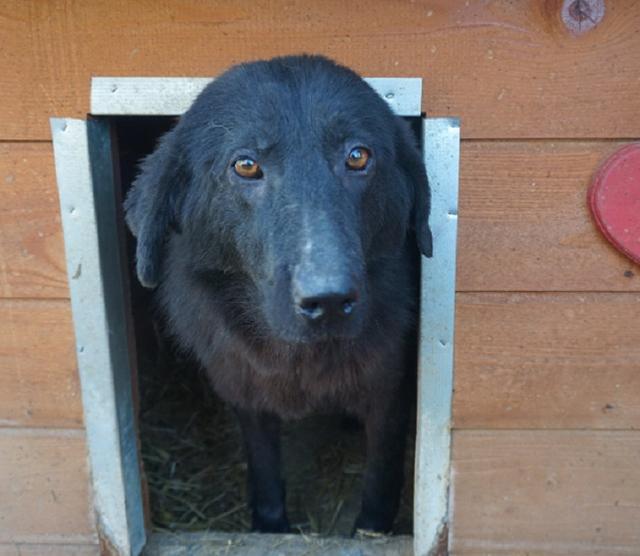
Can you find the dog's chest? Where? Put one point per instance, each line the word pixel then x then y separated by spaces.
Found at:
pixel 293 390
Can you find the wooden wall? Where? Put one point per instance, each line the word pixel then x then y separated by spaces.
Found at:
pixel 547 399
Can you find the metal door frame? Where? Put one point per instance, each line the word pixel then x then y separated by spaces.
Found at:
pixel 85 179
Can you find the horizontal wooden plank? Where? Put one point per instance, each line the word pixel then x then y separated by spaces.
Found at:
pixel 524 221
pixel 545 492
pixel 547 361
pixel 44 487
pixel 31 247
pixel 524 224
pixel 39 384
pixel 508 69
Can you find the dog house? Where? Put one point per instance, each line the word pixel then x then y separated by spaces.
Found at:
pixel 86 162
pixel 545 421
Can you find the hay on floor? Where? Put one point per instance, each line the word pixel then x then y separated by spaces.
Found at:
pixel 196 472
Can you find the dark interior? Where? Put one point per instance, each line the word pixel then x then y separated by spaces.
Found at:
pixel 191 447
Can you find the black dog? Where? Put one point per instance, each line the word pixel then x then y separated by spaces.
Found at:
pixel 279 221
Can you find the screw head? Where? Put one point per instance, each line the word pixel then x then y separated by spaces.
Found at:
pixel 580 16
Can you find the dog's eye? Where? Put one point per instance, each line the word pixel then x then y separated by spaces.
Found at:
pixel 247 168
pixel 358 158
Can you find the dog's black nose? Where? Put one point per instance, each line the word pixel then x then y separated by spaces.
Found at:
pixel 331 305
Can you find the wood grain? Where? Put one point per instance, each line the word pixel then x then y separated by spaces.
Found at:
pixel 508 69
pixel 547 361
pixel 31 245
pixel 44 487
pixel 545 492
pixel 524 222
pixel 39 384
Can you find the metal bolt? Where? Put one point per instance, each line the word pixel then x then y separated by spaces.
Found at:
pixel 389 96
pixel 580 10
pixel 580 16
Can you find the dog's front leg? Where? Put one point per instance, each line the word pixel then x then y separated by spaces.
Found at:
pixel 386 429
pixel 261 432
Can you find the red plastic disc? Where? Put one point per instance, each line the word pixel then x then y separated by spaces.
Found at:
pixel 614 198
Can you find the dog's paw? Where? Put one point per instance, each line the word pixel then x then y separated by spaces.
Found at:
pixel 270 525
pixel 371 526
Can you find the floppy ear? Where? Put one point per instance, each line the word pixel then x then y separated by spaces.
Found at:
pixel 152 206
pixel 413 166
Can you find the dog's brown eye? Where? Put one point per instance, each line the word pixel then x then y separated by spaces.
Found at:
pixel 247 168
pixel 358 158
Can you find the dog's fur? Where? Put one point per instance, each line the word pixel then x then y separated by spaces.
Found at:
pixel 225 252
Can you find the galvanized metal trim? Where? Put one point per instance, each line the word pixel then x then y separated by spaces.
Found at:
pixel 441 151
pixel 107 396
pixel 87 206
pixel 172 96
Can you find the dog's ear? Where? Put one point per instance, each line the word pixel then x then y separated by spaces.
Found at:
pixel 152 206
pixel 410 159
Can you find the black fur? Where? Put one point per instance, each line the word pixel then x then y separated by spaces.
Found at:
pixel 227 253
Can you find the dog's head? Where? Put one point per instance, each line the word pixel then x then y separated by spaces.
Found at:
pixel 293 177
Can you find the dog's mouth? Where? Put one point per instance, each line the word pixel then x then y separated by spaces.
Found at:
pixel 322 334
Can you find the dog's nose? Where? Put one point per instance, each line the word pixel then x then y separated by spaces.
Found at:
pixel 324 296
pixel 329 305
